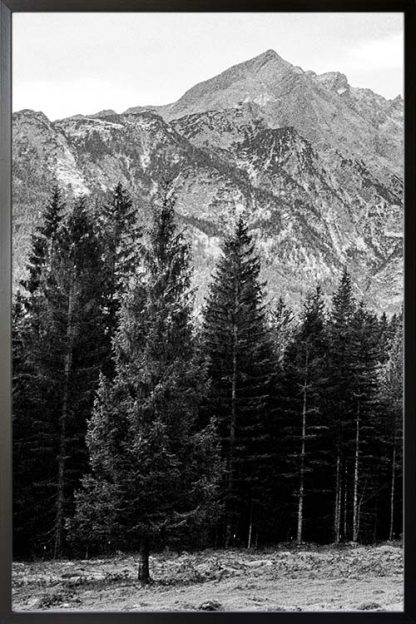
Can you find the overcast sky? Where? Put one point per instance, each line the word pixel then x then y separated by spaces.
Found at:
pixel 69 63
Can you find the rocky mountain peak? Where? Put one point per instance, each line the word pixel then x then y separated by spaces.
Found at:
pixel 269 56
pixel 256 80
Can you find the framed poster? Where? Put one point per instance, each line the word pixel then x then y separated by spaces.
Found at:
pixel 212 321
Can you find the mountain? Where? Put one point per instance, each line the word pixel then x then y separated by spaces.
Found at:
pixel 324 109
pixel 315 165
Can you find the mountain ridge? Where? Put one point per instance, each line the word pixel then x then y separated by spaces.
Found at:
pixel 317 198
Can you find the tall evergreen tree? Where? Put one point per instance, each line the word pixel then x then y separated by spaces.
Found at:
pixel 340 391
pixel 74 315
pixel 306 430
pixel 354 358
pixel 63 336
pixel 367 445
pixel 241 369
pixel 153 470
pixel 33 431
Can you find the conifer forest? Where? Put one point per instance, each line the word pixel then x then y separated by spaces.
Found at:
pixel 141 421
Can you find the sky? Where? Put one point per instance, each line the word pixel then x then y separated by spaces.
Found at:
pixel 80 63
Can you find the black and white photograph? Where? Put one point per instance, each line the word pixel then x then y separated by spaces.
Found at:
pixel 207 313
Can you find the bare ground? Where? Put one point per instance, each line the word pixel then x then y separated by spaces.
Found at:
pixel 307 578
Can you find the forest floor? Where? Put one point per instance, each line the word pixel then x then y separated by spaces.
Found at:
pixel 307 578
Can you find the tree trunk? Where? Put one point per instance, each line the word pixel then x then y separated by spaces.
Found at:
pixel 143 575
pixel 302 458
pixel 392 490
pixel 60 500
pixel 355 520
pixel 360 504
pixel 250 527
pixel 375 523
pixel 345 503
pixel 337 514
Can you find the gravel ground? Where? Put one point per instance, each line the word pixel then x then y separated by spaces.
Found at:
pixel 308 578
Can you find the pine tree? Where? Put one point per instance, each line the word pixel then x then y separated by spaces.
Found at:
pixel 365 403
pixel 341 390
pixel 354 396
pixel 241 370
pixel 62 333
pixel 306 440
pixel 33 429
pixel 153 470
pixel 75 329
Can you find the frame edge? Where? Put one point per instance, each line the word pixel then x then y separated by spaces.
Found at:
pixel 5 306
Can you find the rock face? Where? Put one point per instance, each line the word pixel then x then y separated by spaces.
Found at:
pixel 314 164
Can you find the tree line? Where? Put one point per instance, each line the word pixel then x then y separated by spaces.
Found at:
pixel 138 423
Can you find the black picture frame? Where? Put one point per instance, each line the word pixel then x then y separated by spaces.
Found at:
pixel 408 8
